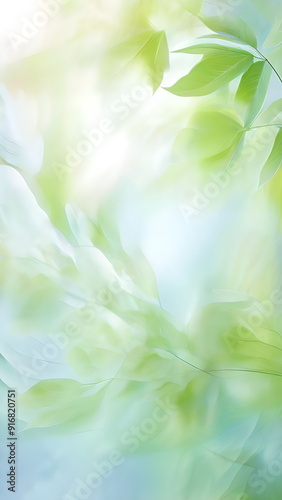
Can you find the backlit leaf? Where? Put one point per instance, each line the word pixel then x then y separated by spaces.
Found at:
pixel 71 414
pixel 253 88
pixel 50 393
pixel 204 48
pixel 225 38
pixel 150 48
pixel 231 25
pixel 274 160
pixel 155 54
pixel 211 73
pixel 209 133
pixel 271 115
pixel 194 6
pixel 275 36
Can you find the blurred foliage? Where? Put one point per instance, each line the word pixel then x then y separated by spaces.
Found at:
pixel 113 303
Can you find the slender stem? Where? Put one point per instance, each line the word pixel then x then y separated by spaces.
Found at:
pixel 267 60
pixel 241 41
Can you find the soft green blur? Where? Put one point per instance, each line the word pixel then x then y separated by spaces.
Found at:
pixel 140 271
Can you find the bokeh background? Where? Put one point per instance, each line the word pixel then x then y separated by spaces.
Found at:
pixel 140 283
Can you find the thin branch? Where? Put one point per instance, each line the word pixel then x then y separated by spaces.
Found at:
pixel 270 64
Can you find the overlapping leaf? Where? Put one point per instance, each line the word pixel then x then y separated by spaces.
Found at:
pixel 207 47
pixel 213 72
pixel 253 88
pixel 210 133
pixel 275 36
pixel 274 160
pixel 232 25
pixel 148 47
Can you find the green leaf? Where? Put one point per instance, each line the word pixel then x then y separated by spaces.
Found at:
pixel 271 115
pixel 155 55
pixel 81 362
pixel 209 134
pixel 267 9
pixel 94 362
pixel 275 59
pixel 72 414
pixel 232 25
pixel 275 36
pixel 225 38
pixel 220 160
pixel 50 392
pixel 274 160
pixel 252 89
pixel 205 48
pixel 148 48
pixel 236 44
pixel 194 6
pixel 211 73
pixel 125 52
pixel 143 366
